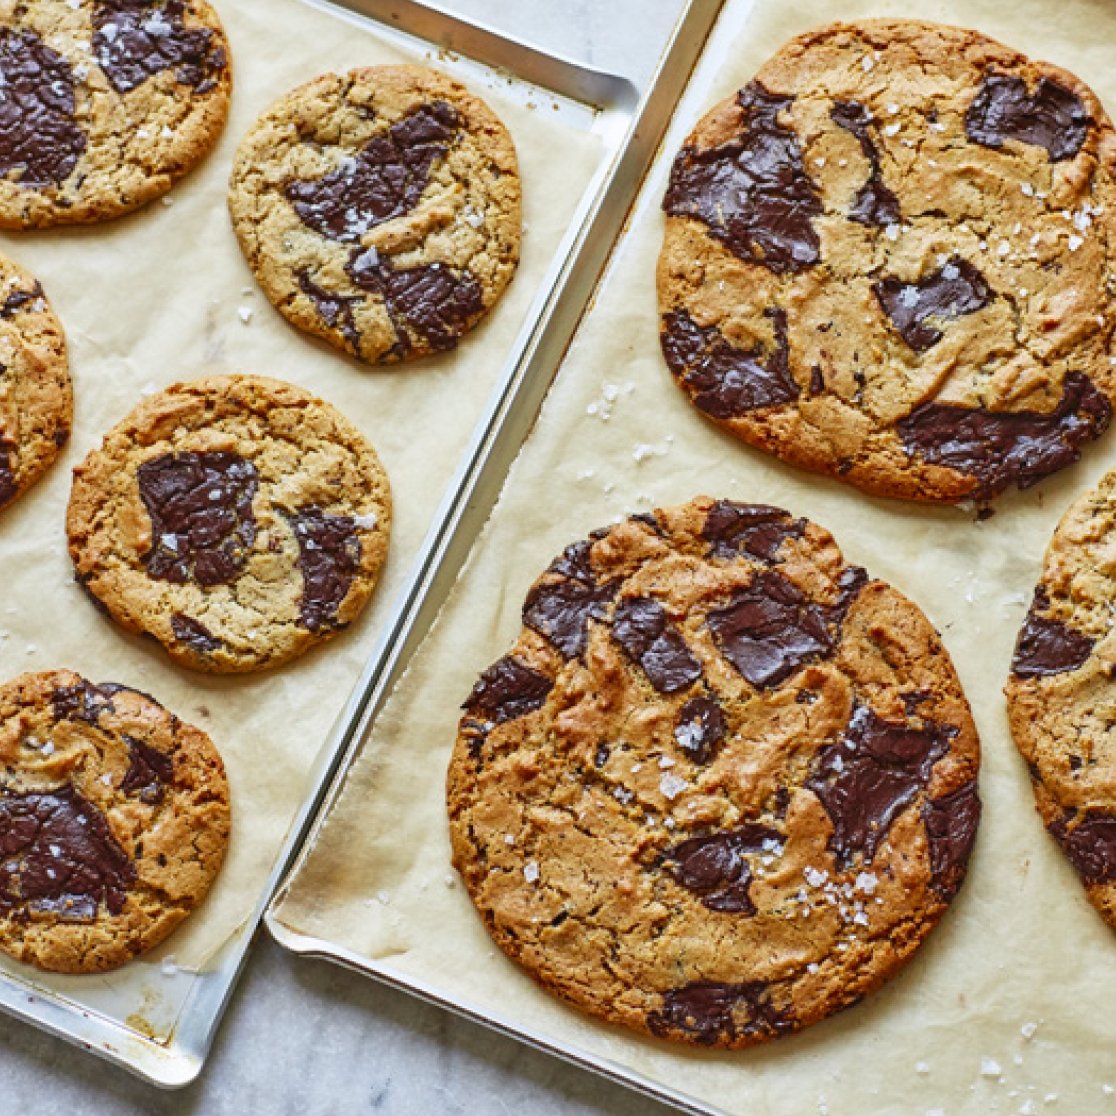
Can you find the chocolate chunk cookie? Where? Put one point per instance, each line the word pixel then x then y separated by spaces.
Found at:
pixel 1060 693
pixel 380 210
pixel 888 258
pixel 106 103
pixel 36 399
pixel 236 519
pixel 724 783
pixel 114 818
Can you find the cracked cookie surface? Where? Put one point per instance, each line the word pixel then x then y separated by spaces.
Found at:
pixel 114 819
pixel 724 783
pixel 379 210
pixel 1060 699
pixel 36 397
pixel 237 519
pixel 107 103
pixel 889 258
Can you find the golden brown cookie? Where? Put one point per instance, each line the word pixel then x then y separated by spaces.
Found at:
pixel 380 210
pixel 236 519
pixel 114 818
pixel 106 103
pixel 889 257
pixel 722 786
pixel 1060 692
pixel 36 398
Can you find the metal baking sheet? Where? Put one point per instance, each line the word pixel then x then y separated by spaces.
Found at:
pixel 162 1028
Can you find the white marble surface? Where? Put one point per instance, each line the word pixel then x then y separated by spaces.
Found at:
pixel 308 1039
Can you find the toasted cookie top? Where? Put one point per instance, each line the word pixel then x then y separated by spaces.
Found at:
pixel 379 209
pixel 114 818
pixel 722 785
pixel 887 258
pixel 237 519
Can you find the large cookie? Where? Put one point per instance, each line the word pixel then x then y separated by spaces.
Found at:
pixel 236 519
pixel 36 399
pixel 1060 693
pixel 379 209
pixel 722 786
pixel 106 103
pixel 889 257
pixel 114 818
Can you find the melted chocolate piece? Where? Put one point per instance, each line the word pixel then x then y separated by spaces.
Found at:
pixel 149 772
pixel 508 689
pixel 726 381
pixel 18 299
pixel 383 181
pixel 560 611
pixel 430 299
pixel 333 308
pixel 867 779
pixel 707 1010
pixel 328 558
pixel 700 728
pixel 1000 448
pixel 193 633
pixel 954 290
pixel 202 524
pixel 1053 116
pixel 875 203
pixel 641 626
pixel 756 529
pixel 39 137
pixel 1047 646
pixel 951 825
pixel 82 702
pixel 753 192
pixel 770 629
pixel 136 39
pixel 7 477
pixel 59 857
pixel 1090 846
pixel 715 867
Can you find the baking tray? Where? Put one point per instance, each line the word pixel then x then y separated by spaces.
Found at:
pixel 1005 1007
pixel 166 1038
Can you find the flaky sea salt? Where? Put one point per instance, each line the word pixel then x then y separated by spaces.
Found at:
pixel 245 314
pixel 989 1067
pixel 672 786
pixel 531 871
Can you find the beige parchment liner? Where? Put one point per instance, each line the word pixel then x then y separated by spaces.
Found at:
pixel 1020 947
pixel 157 298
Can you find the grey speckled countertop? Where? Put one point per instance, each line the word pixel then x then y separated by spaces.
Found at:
pixel 305 1038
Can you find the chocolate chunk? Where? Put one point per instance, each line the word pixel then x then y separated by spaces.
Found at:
pixel 328 558
pixel 560 612
pixel 82 702
pixel 149 772
pixel 136 39
pixel 641 626
pixel 18 299
pixel 756 529
pixel 202 523
pixel 382 181
pixel 1090 846
pixel 867 779
pixel 193 633
pixel 39 137
pixel 707 1010
pixel 59 857
pixel 1000 448
pixel 508 689
pixel 600 756
pixel 715 867
pixel 1047 646
pixel 875 203
pixel 770 629
pixel 951 825
pixel 912 699
pixel 726 381
pixel 955 289
pixel 1053 116
pixel 430 299
pixel 700 728
pixel 753 192
pixel 7 477
pixel 333 308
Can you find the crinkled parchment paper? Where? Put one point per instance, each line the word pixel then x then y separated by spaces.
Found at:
pixel 161 297
pixel 1021 946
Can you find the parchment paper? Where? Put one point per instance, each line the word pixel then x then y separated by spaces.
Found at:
pixel 159 297
pixel 1021 949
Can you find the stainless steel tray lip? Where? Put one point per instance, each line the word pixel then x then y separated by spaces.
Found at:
pixel 177 1061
